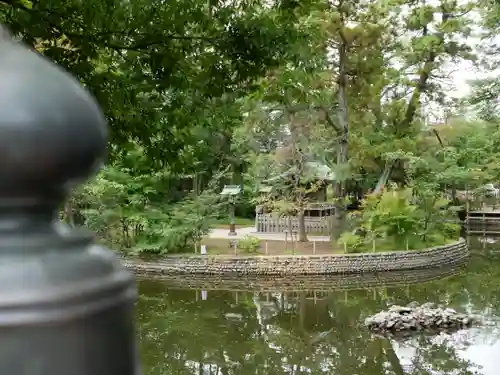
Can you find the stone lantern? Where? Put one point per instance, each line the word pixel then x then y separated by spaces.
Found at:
pixel 66 303
pixel 231 191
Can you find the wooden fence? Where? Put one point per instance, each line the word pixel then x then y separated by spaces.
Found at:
pixel 269 223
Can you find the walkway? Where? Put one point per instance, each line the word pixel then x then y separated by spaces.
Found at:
pixel 250 231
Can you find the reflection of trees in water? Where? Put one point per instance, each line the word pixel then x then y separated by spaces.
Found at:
pixel 298 333
pixel 430 356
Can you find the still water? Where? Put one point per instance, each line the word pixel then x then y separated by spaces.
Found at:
pixel 198 332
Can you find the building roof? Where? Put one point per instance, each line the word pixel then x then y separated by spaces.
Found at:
pixel 231 190
pixel 313 171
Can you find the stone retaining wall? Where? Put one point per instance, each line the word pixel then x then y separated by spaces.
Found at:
pixel 287 265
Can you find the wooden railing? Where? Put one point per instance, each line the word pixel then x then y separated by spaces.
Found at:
pixel 271 223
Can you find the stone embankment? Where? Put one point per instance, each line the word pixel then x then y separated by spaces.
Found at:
pixel 414 318
pixel 293 265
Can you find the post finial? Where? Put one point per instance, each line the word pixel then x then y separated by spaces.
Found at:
pixel 66 304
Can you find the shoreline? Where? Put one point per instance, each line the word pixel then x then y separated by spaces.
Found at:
pixel 302 265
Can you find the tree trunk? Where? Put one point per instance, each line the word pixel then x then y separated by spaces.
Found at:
pixel 290 229
pixel 302 226
pixel 453 186
pixel 343 128
pixel 298 163
pixel 343 121
pixel 382 181
pixel 392 357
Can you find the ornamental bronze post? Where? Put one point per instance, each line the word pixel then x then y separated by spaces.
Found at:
pixel 66 303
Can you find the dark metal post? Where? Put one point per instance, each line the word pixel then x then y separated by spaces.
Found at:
pixel 66 304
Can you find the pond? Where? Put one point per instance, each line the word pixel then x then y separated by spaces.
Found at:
pixel 228 332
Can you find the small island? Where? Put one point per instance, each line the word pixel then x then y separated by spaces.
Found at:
pixel 390 231
pixel 429 318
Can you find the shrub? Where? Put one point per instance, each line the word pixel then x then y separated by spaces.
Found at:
pixel 350 241
pixel 249 244
pixel 129 212
pixel 401 219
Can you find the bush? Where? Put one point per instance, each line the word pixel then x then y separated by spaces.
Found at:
pixel 249 244
pixel 130 213
pixel 401 219
pixel 351 242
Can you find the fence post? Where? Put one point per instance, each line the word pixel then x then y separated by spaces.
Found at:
pixel 66 304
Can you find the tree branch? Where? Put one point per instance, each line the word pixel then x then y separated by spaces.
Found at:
pixel 308 107
pixel 145 42
pixel 330 121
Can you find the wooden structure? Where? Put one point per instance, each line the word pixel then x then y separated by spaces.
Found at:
pixel 319 214
pixel 486 221
pixel 318 219
pixel 481 211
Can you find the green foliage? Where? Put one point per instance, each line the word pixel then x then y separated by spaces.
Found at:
pixel 130 213
pixel 399 219
pixel 167 74
pixel 249 244
pixel 351 242
pixel 390 216
pixel 200 94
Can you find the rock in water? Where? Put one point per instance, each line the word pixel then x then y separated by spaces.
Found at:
pixel 413 304
pixel 426 317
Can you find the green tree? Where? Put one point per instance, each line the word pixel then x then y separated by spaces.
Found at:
pixel 161 71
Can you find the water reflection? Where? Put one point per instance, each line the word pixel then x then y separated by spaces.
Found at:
pixel 299 332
